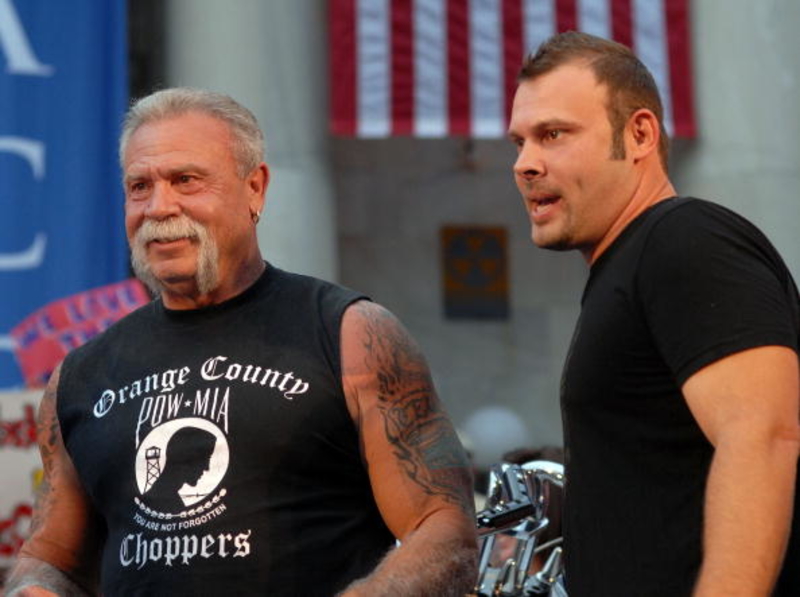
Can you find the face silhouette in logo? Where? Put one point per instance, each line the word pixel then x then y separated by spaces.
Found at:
pixel 188 457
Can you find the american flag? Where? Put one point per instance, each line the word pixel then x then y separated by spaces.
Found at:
pixel 436 68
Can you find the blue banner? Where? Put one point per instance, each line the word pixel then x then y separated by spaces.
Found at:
pixel 63 90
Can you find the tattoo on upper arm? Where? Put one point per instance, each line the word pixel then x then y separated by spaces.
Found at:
pixel 420 432
pixel 49 437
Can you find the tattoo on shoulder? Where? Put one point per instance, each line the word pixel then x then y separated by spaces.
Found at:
pixel 415 424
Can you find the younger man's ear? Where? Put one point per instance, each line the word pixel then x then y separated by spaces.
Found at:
pixel 645 133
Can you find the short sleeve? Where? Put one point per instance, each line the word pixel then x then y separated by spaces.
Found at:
pixel 712 285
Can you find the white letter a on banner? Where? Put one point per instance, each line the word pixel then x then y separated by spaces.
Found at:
pixel 15 45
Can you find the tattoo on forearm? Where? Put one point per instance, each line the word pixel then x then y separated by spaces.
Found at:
pixel 423 438
pixel 30 572
pixel 49 437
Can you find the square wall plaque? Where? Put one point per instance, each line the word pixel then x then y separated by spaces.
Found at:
pixel 475 272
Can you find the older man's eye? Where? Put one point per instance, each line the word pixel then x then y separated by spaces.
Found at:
pixel 187 183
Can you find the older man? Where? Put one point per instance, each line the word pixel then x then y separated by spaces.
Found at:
pixel 251 431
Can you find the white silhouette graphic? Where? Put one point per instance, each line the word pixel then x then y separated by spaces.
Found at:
pixel 180 463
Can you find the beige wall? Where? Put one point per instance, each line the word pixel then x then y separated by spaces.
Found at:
pixel 393 197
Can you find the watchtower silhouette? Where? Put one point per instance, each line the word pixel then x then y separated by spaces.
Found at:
pixel 153 458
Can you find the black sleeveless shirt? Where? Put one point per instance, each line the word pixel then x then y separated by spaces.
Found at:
pixel 218 448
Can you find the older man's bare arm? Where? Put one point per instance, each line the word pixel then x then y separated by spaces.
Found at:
pixel 61 555
pixel 418 469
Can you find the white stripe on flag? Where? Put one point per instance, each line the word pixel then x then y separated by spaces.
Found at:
pixel 540 22
pixel 430 70
pixel 374 68
pixel 650 45
pixel 486 66
pixel 594 16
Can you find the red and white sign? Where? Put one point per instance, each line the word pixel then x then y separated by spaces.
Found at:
pixel 20 470
pixel 44 338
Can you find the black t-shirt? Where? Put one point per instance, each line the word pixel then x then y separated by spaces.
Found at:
pixel 687 283
pixel 217 446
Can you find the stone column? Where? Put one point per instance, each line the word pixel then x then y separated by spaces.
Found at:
pixel 747 93
pixel 271 57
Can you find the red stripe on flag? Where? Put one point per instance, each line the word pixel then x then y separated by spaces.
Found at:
pixel 622 22
pixel 513 49
pixel 566 15
pixel 680 68
pixel 342 57
pixel 402 48
pixel 458 68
